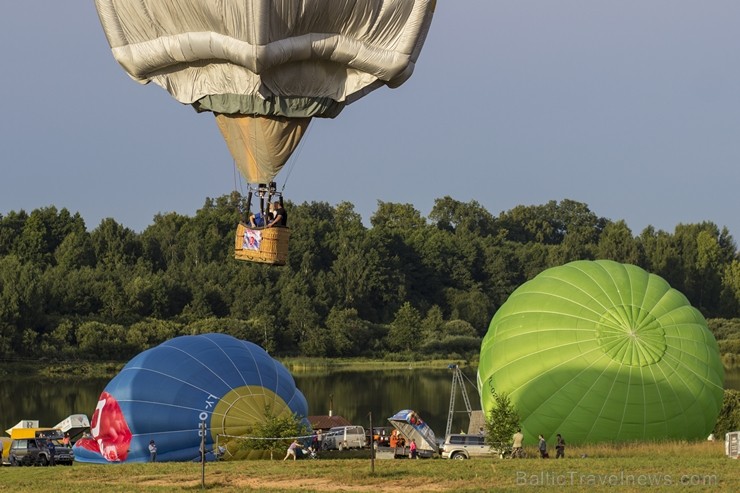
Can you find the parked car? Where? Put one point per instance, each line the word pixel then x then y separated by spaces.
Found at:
pixel 35 452
pixel 381 435
pixel 344 437
pixel 460 446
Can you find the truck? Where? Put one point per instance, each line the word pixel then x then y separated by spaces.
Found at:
pixel 30 447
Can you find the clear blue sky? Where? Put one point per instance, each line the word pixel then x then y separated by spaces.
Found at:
pixel 630 106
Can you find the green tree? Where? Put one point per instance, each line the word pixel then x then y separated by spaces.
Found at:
pixel 102 341
pixel 473 306
pixel 115 246
pixel 60 341
pixel 43 231
pixel 11 227
pixel 431 326
pixel 709 264
pixel 405 330
pixel 163 242
pixel 729 416
pixel 151 332
pixel 22 304
pixel 530 224
pixel 730 297
pixel 617 243
pixel 471 217
pixel 75 251
pixel 316 342
pixel 501 423
pixel 349 333
pixel 275 431
pixel 312 228
pixel 209 236
pixel 662 256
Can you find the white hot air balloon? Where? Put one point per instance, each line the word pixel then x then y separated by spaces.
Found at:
pixel 265 68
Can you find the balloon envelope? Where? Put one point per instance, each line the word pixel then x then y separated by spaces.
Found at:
pixel 602 351
pixel 275 59
pixel 166 393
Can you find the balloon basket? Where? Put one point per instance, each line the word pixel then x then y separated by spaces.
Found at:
pixel 267 246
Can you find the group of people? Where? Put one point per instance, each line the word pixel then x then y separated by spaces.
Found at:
pixel 541 445
pixel 277 216
pixel 316 444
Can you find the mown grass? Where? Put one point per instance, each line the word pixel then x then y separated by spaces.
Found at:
pixel 631 467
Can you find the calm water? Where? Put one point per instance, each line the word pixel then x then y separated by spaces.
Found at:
pixel 350 394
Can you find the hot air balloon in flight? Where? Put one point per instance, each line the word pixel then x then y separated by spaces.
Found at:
pixel 602 351
pixel 169 393
pixel 265 68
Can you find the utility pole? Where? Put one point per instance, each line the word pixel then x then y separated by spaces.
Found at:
pixel 202 455
pixel 372 445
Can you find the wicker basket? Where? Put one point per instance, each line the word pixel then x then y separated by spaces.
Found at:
pixel 273 248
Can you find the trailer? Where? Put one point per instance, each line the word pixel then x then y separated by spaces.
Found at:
pixel 74 425
pixel 411 426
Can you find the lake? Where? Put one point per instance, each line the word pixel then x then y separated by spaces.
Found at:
pixel 352 394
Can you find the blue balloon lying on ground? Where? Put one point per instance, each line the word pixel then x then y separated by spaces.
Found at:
pixel 171 392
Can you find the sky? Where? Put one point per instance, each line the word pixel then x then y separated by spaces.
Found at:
pixel 631 107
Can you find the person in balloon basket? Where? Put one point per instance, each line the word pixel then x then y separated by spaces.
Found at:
pixel 543 448
pixel 560 447
pixel 280 218
pixel 516 446
pixel 258 220
pixel 292 450
pixel 152 451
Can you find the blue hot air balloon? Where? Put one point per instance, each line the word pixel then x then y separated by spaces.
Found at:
pixel 171 392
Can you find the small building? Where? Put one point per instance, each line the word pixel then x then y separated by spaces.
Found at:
pixel 326 422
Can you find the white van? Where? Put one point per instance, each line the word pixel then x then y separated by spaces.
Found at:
pixel 344 437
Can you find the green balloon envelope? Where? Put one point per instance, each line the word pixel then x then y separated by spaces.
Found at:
pixel 602 351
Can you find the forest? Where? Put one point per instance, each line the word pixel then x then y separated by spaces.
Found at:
pixel 406 286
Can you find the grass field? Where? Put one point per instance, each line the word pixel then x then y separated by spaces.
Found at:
pixel 633 467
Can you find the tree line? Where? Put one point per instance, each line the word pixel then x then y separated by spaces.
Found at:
pixel 405 285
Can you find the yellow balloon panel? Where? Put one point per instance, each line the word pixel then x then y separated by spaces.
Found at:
pixel 261 145
pixel 244 407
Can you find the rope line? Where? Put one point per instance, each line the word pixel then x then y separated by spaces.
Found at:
pixel 241 437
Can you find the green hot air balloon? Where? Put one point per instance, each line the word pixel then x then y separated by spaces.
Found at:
pixel 602 351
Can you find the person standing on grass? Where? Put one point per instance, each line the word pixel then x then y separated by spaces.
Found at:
pixel 560 447
pixel 516 447
pixel 52 452
pixel 292 450
pixel 543 447
pixel 152 451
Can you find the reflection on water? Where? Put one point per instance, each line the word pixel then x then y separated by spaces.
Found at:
pixel 732 379
pixel 47 400
pixel 352 394
pixel 356 394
